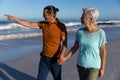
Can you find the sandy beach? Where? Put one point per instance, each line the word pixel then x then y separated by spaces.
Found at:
pixel 26 67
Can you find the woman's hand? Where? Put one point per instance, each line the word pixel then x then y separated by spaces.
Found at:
pixel 101 73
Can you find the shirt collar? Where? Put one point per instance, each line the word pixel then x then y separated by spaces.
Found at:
pixel 56 21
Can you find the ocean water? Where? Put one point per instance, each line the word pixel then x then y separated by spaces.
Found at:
pixel 13 30
pixel 17 40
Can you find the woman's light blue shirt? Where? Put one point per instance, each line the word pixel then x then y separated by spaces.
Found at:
pixel 89 47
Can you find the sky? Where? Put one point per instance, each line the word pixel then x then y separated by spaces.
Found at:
pixel 108 9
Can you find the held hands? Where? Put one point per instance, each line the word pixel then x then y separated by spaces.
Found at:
pixel 61 60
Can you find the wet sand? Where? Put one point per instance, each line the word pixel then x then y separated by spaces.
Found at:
pixel 26 67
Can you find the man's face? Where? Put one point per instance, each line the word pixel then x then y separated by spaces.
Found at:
pixel 46 14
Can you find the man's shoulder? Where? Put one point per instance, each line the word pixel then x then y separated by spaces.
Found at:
pixel 59 22
pixel 42 22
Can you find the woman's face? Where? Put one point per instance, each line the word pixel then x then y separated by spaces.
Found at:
pixel 84 19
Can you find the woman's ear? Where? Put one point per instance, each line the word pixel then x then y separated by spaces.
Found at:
pixel 91 20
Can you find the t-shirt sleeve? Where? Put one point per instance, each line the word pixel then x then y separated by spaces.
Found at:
pixel 102 38
pixel 76 36
pixel 63 30
pixel 40 24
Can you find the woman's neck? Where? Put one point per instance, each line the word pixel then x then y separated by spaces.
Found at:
pixel 91 28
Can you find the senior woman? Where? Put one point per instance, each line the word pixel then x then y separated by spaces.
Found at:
pixel 91 42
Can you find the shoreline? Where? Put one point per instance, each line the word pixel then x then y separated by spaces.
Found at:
pixel 26 67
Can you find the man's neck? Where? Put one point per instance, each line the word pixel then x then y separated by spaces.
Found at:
pixel 52 20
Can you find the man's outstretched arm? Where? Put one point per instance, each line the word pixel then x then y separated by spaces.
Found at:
pixel 23 22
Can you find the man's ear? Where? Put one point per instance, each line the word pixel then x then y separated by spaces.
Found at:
pixel 52 15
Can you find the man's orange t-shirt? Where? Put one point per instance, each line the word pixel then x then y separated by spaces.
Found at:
pixel 52 33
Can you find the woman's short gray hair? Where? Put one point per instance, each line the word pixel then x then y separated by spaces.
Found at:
pixel 91 13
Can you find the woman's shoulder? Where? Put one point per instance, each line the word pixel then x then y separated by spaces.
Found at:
pixel 81 29
pixel 101 30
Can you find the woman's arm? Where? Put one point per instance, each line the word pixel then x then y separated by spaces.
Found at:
pixel 70 53
pixel 72 50
pixel 103 59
